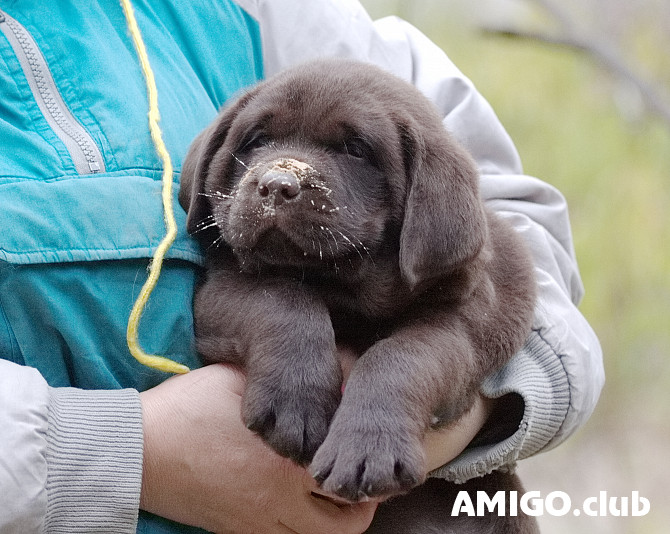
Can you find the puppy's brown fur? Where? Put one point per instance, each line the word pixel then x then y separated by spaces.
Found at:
pixel 336 209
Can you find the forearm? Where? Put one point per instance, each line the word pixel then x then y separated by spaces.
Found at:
pixel 24 399
pixel 99 489
pixel 72 458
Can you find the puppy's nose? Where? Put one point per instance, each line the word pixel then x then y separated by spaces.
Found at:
pixel 279 183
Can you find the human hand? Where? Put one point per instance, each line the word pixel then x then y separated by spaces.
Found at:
pixel 203 467
pixel 443 445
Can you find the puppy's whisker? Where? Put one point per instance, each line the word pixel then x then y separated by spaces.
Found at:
pixel 206 220
pixel 358 243
pixel 206 223
pixel 355 247
pixel 215 194
pixel 206 227
pixel 337 243
pixel 216 243
pixel 359 246
pixel 332 252
pixel 239 161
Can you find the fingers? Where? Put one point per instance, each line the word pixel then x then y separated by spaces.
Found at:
pixel 354 519
pixel 320 514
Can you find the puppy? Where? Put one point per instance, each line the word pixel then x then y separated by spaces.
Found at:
pixel 335 209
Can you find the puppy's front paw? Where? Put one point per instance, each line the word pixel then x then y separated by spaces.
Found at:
pixel 359 460
pixel 292 420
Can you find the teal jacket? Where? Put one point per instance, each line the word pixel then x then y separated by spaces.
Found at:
pixel 81 215
pixel 80 179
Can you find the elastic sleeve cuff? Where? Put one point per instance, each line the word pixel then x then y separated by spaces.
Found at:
pixel 537 375
pixel 94 458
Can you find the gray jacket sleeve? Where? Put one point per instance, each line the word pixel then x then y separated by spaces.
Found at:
pixel 559 372
pixel 52 440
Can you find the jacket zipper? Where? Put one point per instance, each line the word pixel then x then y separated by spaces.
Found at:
pixel 85 154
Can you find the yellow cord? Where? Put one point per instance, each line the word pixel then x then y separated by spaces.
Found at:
pixel 155 362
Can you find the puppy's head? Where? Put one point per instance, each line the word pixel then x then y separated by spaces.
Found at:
pixel 329 163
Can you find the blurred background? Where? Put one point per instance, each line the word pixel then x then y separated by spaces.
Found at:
pixel 583 87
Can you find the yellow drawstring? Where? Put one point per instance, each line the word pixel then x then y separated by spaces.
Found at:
pixel 155 362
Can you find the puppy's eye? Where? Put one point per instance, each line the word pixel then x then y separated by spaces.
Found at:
pixel 257 140
pixel 357 148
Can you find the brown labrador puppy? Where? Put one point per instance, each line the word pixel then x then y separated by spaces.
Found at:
pixel 335 208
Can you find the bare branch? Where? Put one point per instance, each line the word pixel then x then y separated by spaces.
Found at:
pixel 604 54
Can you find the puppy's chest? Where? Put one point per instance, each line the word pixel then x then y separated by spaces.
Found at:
pixel 365 311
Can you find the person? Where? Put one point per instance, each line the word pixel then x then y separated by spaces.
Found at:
pixel 82 450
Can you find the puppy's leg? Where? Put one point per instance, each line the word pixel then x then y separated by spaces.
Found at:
pixel 374 445
pixel 282 335
pixel 429 509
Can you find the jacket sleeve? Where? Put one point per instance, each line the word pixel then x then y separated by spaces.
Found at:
pixel 70 460
pixel 559 372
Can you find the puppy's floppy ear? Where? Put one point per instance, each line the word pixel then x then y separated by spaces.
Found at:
pixel 193 173
pixel 195 168
pixel 444 225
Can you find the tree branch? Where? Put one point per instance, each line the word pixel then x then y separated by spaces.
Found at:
pixel 602 53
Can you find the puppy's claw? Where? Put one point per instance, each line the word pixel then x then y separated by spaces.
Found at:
pixel 362 469
pixel 294 426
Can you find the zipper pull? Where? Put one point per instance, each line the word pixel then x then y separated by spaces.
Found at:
pixel 2 17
